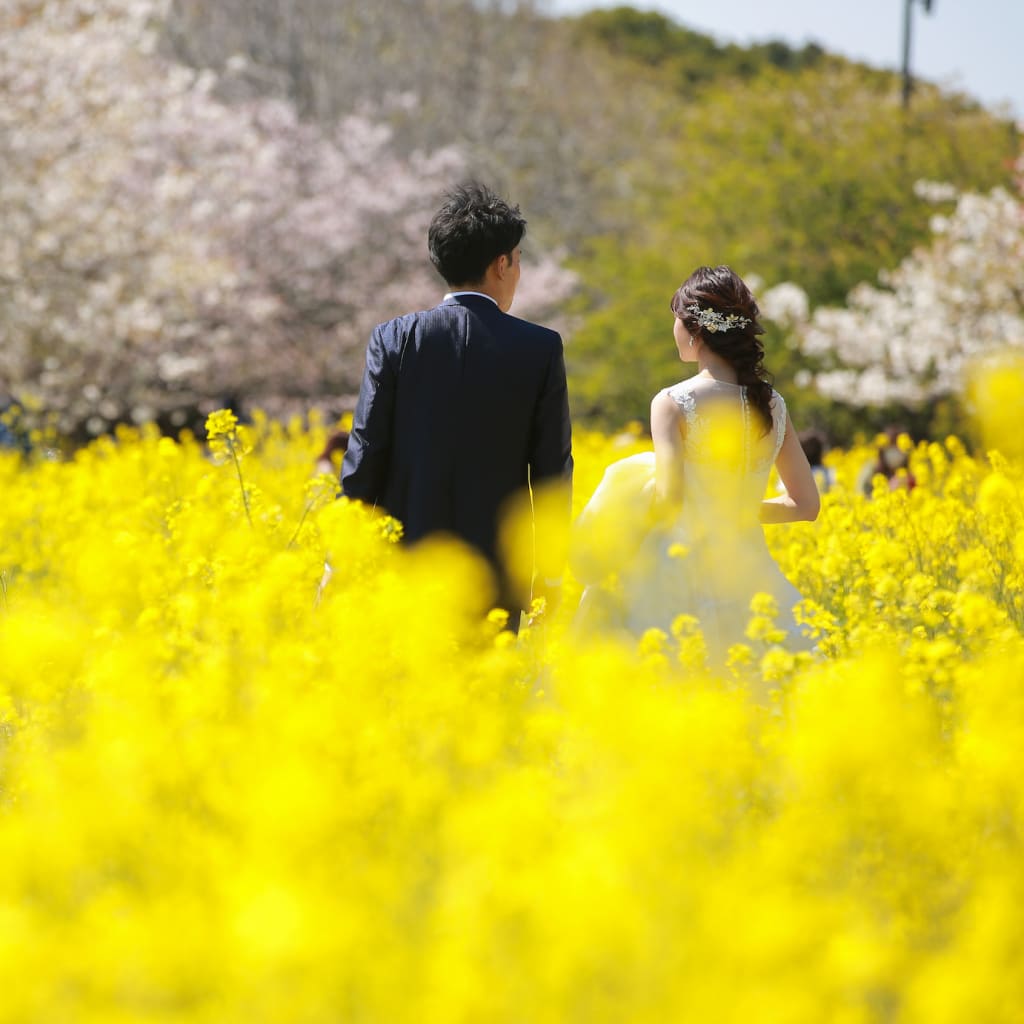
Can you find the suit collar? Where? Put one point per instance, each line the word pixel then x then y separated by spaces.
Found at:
pixel 477 299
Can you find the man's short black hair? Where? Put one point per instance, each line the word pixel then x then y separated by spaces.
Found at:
pixel 472 229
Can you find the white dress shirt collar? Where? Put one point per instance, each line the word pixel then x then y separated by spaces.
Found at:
pixel 483 295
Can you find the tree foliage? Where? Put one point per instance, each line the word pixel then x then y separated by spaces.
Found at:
pixel 684 58
pixel 914 337
pixel 802 177
pixel 204 201
pixel 531 107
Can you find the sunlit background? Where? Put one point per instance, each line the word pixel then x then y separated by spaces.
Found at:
pixel 211 205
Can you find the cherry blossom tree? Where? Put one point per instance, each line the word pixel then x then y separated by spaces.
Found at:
pixel 913 336
pixel 165 250
pixel 534 105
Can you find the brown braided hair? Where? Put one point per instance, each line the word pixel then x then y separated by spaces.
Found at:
pixel 721 289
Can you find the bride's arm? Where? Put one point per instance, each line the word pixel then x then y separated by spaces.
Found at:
pixel 667 431
pixel 801 500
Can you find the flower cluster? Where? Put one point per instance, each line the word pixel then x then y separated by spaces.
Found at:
pixel 222 799
pixel 712 321
pixel 222 433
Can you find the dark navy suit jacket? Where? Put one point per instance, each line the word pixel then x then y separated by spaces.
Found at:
pixel 460 407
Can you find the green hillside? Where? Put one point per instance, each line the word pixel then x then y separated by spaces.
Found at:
pixel 790 165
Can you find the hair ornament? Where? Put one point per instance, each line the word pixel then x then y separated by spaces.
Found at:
pixel 712 321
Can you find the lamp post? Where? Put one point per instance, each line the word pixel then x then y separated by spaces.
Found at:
pixel 908 83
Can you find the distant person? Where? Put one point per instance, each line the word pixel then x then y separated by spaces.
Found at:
pixel 7 438
pixel 462 406
pixel 10 436
pixel 336 445
pixel 815 446
pixel 890 461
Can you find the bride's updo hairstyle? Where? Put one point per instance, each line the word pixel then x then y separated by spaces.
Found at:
pixel 718 308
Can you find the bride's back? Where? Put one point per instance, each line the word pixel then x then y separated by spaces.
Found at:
pixel 715 443
pixel 727 453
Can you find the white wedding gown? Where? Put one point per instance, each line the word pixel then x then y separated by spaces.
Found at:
pixel 711 558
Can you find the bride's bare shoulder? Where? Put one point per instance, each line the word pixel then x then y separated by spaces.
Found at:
pixel 668 418
pixel 677 397
pixel 665 402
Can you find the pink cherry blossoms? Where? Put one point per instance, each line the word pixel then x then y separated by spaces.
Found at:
pixel 165 251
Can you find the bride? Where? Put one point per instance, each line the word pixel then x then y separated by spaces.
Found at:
pixel 686 520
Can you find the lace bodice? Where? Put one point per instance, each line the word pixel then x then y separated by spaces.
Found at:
pixel 697 397
pixel 727 454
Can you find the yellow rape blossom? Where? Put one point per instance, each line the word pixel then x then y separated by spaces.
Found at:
pixel 222 800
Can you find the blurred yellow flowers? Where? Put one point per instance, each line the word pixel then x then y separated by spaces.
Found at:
pixel 221 802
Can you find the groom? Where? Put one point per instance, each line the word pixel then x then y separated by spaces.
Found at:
pixel 462 406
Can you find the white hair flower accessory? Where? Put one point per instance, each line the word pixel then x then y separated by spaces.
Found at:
pixel 712 321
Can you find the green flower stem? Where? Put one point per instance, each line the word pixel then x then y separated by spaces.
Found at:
pixel 302 519
pixel 241 482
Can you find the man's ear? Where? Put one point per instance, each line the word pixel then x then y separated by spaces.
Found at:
pixel 501 265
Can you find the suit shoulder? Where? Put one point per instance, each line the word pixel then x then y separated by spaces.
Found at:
pixel 402 322
pixel 536 332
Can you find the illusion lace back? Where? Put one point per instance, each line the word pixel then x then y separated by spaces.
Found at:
pixel 727 459
pixel 711 558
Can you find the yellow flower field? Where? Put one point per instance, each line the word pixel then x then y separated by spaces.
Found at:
pixel 222 801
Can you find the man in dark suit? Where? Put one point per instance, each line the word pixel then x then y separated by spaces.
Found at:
pixel 462 406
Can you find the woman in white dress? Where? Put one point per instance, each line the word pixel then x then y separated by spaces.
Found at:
pixel 701 549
